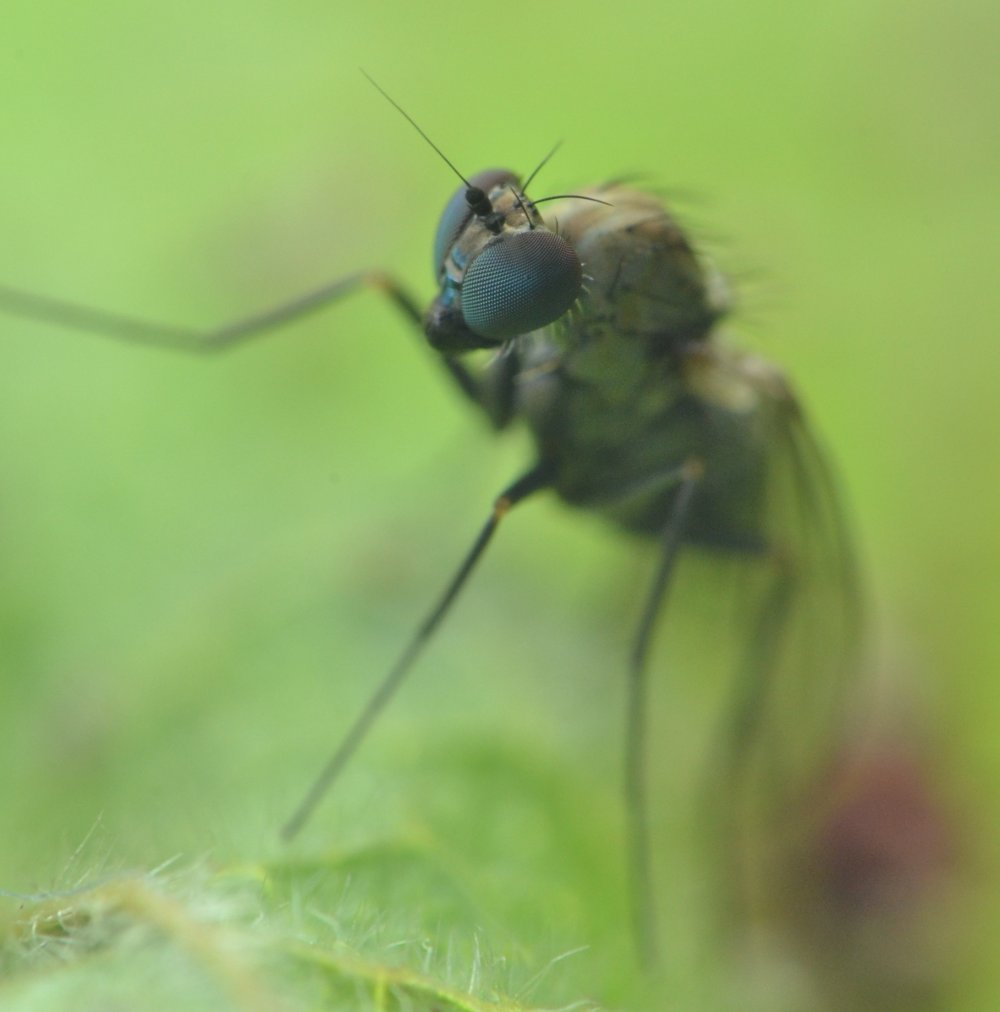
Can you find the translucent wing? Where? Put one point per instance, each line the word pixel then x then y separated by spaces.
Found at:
pixel 796 668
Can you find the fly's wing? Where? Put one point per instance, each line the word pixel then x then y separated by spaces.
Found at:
pixel 803 648
pixel 795 671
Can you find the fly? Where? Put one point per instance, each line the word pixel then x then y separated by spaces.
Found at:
pixel 605 327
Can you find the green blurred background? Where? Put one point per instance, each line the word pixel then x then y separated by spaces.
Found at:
pixel 205 565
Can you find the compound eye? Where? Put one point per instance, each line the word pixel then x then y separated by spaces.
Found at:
pixel 521 281
pixel 457 212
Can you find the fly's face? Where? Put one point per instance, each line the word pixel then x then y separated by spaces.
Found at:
pixel 502 272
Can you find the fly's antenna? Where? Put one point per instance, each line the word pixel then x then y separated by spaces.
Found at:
pixel 416 126
pixel 475 197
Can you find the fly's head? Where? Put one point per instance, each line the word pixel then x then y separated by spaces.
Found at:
pixel 502 272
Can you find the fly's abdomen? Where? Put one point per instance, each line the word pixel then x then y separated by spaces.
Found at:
pixel 625 464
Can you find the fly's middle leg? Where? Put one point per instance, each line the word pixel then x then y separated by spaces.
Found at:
pixel 686 478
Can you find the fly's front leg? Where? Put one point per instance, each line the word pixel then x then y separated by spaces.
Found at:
pixel 135 330
pixel 491 389
pixel 494 395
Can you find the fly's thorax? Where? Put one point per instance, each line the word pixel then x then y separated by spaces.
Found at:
pixel 647 290
pixel 502 272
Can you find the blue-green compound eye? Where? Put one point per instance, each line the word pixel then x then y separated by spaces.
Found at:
pixel 521 281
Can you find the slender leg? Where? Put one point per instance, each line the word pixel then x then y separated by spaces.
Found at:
pixel 640 867
pixel 134 330
pixel 537 478
pixel 189 339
